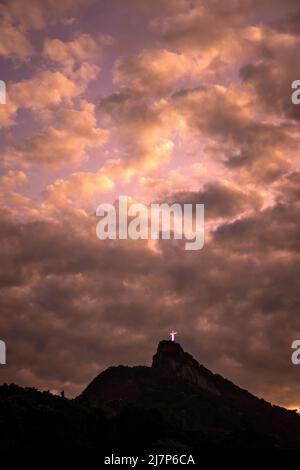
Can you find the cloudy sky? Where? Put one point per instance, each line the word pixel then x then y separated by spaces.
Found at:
pixel 170 100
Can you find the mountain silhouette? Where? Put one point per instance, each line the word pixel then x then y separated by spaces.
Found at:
pixel 176 404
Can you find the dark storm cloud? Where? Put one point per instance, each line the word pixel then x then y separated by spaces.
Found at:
pixel 272 80
pixel 221 199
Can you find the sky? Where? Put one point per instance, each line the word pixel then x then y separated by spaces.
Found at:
pixel 170 100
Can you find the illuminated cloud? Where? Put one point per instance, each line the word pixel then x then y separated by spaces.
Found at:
pixel 63 145
pixel 141 130
pixel 82 49
pixel 47 89
pixel 14 42
pixel 152 70
pixel 13 179
pixel 80 190
pixel 8 112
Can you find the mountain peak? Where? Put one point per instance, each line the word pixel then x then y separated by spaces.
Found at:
pixel 168 347
pixel 171 360
pixel 169 353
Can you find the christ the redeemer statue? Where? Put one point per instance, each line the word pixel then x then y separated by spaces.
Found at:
pixel 172 334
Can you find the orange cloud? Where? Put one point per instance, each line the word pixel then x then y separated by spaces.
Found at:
pixel 63 144
pixel 13 179
pixel 82 48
